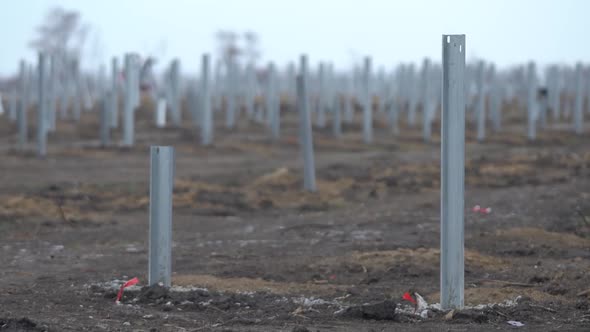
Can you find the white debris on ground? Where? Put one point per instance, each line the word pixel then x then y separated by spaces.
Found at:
pixel 116 284
pixel 422 308
pixel 515 323
pixel 310 302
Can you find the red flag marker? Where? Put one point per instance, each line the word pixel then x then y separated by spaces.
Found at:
pixel 125 285
pixel 409 298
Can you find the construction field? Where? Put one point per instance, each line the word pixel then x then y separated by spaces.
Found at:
pixel 253 252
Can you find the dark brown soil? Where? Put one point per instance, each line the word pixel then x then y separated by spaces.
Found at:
pixel 252 252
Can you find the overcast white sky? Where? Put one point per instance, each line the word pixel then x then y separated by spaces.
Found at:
pixel 391 31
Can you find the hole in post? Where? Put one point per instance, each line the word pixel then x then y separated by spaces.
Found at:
pixel 460 48
pixel 448 39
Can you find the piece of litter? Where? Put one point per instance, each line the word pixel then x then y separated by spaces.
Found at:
pixel 515 323
pixel 126 323
pixel 449 315
pixel 408 297
pixel 131 282
pixel 422 304
pixel 476 208
pixel 487 210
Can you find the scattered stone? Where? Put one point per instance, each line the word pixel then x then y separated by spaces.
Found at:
pixel 449 315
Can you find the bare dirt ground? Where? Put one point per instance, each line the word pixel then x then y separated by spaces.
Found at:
pixel 252 252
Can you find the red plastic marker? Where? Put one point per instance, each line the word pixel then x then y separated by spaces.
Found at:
pixel 125 285
pixel 409 298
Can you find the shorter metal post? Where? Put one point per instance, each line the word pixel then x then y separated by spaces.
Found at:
pixel 160 243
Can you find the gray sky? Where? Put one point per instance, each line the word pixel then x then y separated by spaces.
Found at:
pixel 341 31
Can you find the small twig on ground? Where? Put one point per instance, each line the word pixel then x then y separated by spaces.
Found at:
pixel 501 313
pixel 584 293
pixel 541 307
pixel 510 283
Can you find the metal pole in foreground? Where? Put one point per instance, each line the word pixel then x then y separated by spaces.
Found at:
pixel 452 172
pixel 161 183
pixel 367 103
pixel 306 139
pixel 206 116
pixel 42 109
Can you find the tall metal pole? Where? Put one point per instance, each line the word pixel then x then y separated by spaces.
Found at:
pixel 452 172
pixel 160 245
